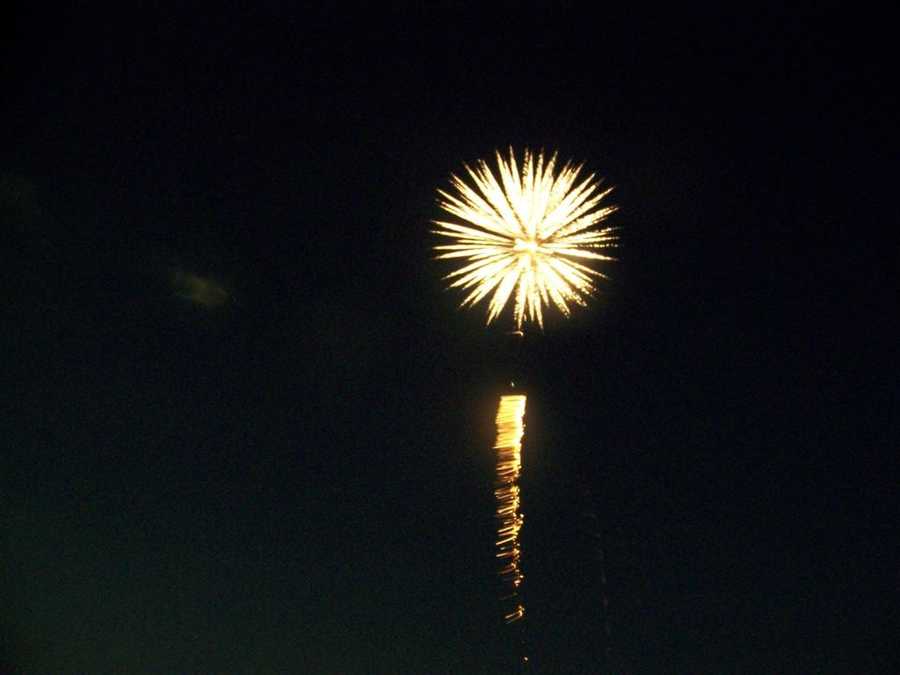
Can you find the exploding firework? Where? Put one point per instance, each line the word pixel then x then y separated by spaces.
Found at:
pixel 525 235
pixel 510 427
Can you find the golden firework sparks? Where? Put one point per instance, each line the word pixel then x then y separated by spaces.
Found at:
pixel 527 235
pixel 510 428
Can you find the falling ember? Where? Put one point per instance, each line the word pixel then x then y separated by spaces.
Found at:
pixel 510 428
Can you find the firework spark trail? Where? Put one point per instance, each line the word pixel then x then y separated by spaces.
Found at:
pixel 526 235
pixel 510 428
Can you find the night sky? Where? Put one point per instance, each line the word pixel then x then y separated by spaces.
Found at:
pixel 244 428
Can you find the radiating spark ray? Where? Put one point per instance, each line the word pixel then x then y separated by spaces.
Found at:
pixel 521 230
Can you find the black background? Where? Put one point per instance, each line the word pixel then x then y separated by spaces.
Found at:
pixel 300 481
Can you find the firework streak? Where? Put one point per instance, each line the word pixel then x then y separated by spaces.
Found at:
pixel 510 427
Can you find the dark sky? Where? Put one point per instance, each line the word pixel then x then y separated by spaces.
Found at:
pixel 245 430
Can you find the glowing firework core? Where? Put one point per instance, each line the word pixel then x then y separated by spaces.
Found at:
pixel 510 429
pixel 523 246
pixel 523 235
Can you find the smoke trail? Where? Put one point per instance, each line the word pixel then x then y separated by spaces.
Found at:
pixel 510 428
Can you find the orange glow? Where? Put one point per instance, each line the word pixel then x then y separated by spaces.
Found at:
pixel 510 429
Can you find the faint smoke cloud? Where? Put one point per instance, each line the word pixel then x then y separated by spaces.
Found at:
pixel 200 291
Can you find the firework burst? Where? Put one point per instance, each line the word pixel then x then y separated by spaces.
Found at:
pixel 527 235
